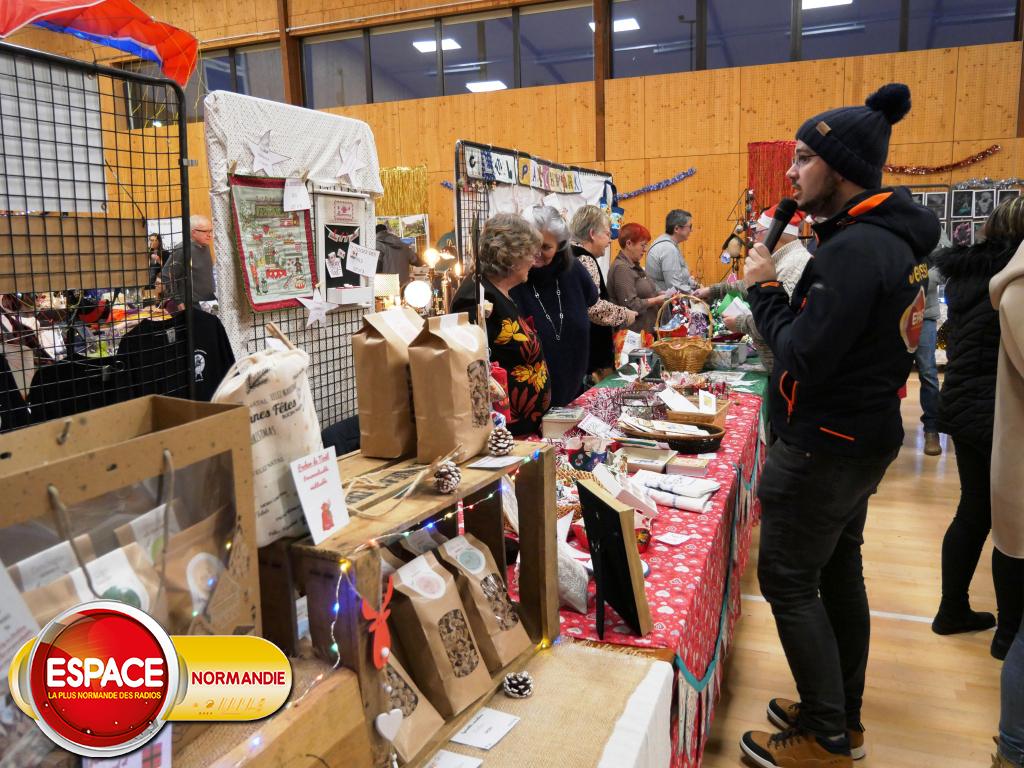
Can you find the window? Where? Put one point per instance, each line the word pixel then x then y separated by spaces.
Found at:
pixel 556 44
pixel 334 69
pixel 741 33
pixel 945 23
pixel 478 53
pixel 850 29
pixel 258 72
pixel 653 37
pixel 214 74
pixel 147 105
pixel 403 60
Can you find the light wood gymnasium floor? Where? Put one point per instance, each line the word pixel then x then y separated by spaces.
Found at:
pixel 930 700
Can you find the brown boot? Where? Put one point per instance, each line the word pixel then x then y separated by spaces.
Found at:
pixel 785 714
pixel 931 444
pixel 792 749
pixel 998 761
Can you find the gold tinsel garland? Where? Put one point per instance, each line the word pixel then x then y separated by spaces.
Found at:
pixel 405 191
pixel 925 170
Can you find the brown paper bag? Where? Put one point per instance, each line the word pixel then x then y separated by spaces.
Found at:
pixel 431 621
pixel 493 617
pixel 387 429
pixel 123 574
pixel 422 540
pixel 449 387
pixel 420 720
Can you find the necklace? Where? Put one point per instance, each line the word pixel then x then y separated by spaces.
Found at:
pixel 561 317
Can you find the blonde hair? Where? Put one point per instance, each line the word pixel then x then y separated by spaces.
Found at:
pixel 505 242
pixel 586 220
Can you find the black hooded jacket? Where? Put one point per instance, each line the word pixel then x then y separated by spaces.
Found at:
pixel 967 403
pixel 844 345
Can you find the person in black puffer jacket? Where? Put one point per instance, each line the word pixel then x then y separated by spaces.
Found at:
pixel 966 412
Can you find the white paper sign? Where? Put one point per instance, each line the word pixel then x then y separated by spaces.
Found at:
pixel 335 267
pixel 486 729
pixel 598 428
pixel 707 402
pixel 296 196
pixel 17 626
pixel 676 402
pixel 446 759
pixel 320 493
pixel 362 260
pixel 156 753
pixel 632 341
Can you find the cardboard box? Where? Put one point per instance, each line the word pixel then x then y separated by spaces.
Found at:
pixel 653 459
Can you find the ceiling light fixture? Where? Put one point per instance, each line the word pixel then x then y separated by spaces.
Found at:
pixel 430 46
pixel 484 86
pixel 624 25
pixel 810 5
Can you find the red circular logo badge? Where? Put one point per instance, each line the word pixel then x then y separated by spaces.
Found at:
pixel 102 677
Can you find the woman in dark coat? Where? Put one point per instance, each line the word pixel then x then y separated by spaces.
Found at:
pixel 966 413
pixel 556 296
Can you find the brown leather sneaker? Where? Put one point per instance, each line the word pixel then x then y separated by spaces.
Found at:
pixel 784 714
pixel 931 444
pixel 791 749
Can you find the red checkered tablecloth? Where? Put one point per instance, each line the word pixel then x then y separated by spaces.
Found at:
pixel 694 586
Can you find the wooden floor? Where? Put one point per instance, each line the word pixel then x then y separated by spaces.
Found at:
pixel 930 700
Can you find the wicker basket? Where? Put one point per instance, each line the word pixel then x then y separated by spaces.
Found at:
pixel 682 353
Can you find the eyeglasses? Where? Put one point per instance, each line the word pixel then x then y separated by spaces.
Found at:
pixel 800 159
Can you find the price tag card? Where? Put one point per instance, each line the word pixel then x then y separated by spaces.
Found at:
pixel 296 196
pixel 362 260
pixel 320 493
pixel 707 402
pixel 486 729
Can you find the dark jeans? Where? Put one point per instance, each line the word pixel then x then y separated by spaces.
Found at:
pixel 812 521
pixel 928 374
pixel 1011 709
pixel 965 537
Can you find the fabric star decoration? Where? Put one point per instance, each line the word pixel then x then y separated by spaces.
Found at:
pixel 351 161
pixel 317 307
pixel 263 157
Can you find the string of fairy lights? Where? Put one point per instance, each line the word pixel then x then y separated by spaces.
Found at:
pixel 345 580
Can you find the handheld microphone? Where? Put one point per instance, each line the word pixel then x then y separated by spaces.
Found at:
pixel 783 213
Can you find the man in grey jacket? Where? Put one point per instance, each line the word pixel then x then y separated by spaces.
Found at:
pixel 927 371
pixel 665 264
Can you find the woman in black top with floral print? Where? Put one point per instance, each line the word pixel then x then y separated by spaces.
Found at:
pixel 507 248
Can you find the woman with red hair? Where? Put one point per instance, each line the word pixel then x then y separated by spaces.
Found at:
pixel 628 283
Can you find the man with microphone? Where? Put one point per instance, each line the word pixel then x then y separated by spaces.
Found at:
pixel 843 348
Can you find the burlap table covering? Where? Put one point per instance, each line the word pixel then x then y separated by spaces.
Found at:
pixel 579 693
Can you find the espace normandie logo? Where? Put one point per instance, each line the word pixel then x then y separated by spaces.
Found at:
pixel 102 678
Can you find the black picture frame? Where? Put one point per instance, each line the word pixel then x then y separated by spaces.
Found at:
pixel 617 569
pixel 963 203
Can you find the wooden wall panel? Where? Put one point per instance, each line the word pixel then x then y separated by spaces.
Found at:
pixel 691 113
pixel 574 124
pixel 519 119
pixel 776 98
pixel 988 91
pixel 1007 163
pixel 440 205
pixel 624 130
pixel 932 77
pixel 939 153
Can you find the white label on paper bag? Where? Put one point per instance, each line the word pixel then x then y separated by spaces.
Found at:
pixel 676 402
pixel 46 566
pixel 486 729
pixel 323 499
pixel 148 530
pixel 17 626
pixel 419 576
pixel 446 759
pixel 399 322
pixel 362 260
pixel 420 541
pixel 296 196
pixel 459 333
pixel 707 402
pixel 468 556
pixel 114 579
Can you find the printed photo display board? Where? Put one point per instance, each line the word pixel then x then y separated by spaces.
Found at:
pixel 962 212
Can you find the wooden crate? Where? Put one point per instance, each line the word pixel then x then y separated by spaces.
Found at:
pixel 315 569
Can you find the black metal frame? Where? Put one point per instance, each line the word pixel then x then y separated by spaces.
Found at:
pixel 78 246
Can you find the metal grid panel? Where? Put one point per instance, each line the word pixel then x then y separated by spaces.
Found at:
pixel 81 325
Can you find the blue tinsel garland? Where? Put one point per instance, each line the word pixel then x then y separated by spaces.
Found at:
pixel 656 186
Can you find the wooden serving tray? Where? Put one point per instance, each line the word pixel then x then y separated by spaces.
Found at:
pixel 718 419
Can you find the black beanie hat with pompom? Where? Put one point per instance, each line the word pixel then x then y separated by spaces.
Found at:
pixel 854 141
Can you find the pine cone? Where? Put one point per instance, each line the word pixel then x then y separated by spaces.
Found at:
pixel 501 442
pixel 518 685
pixel 447 477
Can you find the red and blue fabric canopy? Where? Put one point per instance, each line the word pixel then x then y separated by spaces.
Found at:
pixel 115 23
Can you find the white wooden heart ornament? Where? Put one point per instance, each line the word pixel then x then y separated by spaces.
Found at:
pixel 389 723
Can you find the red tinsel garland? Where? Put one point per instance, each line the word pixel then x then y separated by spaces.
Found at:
pixel 925 170
pixel 767 163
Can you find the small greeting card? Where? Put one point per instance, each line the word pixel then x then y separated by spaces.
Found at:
pixel 320 492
